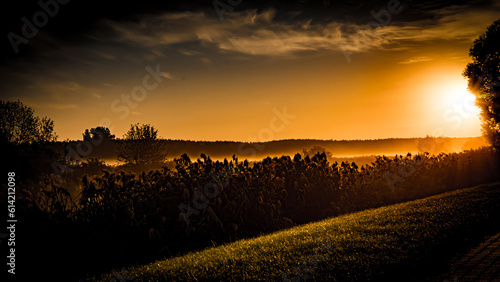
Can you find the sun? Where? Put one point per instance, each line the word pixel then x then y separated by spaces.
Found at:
pixel 455 97
pixel 450 106
pixel 455 111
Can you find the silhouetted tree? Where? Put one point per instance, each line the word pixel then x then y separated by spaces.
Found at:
pixel 484 75
pixel 141 146
pixel 98 133
pixel 23 147
pixel 19 125
pixel 315 150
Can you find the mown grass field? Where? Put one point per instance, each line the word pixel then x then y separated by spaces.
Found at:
pixel 400 242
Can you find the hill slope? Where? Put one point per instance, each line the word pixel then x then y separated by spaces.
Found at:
pixel 374 244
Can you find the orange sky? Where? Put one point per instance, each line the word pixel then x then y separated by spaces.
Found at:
pixel 231 79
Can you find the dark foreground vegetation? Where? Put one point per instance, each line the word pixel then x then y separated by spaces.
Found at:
pixel 123 219
pixel 402 242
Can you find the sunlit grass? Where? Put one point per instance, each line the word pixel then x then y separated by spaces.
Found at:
pixel 358 246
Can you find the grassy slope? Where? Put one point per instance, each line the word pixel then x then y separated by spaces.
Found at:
pixel 374 244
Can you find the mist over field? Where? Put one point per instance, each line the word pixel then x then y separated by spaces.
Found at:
pixel 339 150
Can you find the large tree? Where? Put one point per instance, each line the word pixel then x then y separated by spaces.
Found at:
pixel 140 146
pixel 19 125
pixel 484 75
pixel 22 146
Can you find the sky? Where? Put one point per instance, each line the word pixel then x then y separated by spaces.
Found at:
pixel 246 70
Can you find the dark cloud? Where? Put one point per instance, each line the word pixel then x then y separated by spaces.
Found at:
pixel 76 19
pixel 91 36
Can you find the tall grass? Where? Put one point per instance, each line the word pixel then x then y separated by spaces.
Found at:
pixel 130 218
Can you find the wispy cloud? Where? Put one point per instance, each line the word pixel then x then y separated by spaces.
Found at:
pixel 62 106
pixel 259 33
pixel 167 75
pixel 166 29
pixel 62 94
pixel 415 60
pixel 189 52
pixel 56 87
pixel 246 32
pixel 105 55
pixel 206 60
pixel 450 23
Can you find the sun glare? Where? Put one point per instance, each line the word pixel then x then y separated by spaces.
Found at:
pixel 456 109
pixel 457 98
pixel 451 107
